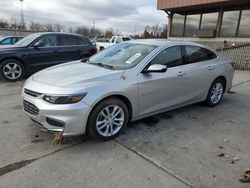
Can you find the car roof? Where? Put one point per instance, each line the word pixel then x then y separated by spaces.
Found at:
pixel 59 33
pixel 162 42
pixel 3 37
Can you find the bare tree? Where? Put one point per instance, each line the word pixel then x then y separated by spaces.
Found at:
pixel 146 33
pixel 17 25
pixel 82 30
pixel 34 26
pixel 4 23
pixel 70 29
pixel 109 33
pixel 155 31
pixel 58 27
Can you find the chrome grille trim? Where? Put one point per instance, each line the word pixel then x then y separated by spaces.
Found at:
pixel 30 108
pixel 32 93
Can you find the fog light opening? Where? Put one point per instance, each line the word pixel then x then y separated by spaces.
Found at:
pixel 54 122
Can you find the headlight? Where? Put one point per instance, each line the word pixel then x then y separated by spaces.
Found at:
pixel 66 99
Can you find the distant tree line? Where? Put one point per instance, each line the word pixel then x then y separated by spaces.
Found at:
pixel 154 31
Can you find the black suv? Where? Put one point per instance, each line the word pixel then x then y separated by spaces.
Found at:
pixel 41 50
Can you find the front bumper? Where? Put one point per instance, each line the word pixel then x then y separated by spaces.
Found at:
pixel 71 119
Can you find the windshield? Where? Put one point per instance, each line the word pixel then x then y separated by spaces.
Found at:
pixel 27 40
pixel 122 56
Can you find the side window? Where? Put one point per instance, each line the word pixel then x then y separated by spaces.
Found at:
pixel 67 40
pixel 6 41
pixel 126 39
pixel 82 41
pixel 113 40
pixel 170 56
pixel 197 54
pixel 49 41
pixel 118 40
pixel 14 40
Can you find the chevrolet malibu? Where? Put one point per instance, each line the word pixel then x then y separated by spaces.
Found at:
pixel 132 80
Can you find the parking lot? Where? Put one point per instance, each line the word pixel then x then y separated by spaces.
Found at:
pixel 178 149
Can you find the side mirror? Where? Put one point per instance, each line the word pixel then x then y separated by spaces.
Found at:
pixel 38 44
pixel 156 68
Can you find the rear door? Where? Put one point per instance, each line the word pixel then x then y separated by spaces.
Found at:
pixel 72 48
pixel 161 90
pixel 200 70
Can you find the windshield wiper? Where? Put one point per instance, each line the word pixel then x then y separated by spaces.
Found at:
pixel 103 65
pixel 85 60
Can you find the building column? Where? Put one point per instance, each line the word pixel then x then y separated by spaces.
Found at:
pixel 169 26
pixel 219 22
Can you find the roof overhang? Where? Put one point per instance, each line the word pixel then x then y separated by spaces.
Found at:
pixel 182 6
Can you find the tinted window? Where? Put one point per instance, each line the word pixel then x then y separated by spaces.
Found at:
pixel 170 56
pixel 14 40
pixel 6 41
pixel 49 41
pixel 67 40
pixel 126 39
pixel 197 54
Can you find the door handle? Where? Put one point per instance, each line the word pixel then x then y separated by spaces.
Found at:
pixel 210 67
pixel 181 73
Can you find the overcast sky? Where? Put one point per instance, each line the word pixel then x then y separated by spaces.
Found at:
pixel 123 15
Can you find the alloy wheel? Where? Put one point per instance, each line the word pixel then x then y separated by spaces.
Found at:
pixel 216 93
pixel 12 71
pixel 110 120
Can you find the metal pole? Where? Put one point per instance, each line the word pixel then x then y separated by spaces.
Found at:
pixel 22 15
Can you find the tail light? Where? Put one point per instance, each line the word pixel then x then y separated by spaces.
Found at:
pixel 93 50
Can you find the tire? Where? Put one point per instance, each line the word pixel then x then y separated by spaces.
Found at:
pixel 11 70
pixel 102 48
pixel 215 93
pixel 101 123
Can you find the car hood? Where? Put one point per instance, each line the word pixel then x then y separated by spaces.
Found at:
pixel 10 47
pixel 75 74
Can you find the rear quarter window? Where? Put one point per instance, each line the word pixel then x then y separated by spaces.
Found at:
pixel 67 40
pixel 197 54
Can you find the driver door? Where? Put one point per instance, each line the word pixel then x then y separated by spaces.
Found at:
pixel 44 56
pixel 157 91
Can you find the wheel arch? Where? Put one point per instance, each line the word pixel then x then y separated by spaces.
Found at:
pixel 117 96
pixel 223 78
pixel 120 97
pixel 14 58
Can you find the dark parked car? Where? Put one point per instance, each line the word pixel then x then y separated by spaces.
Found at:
pixel 9 40
pixel 41 50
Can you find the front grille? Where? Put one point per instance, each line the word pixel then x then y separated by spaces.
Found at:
pixel 30 108
pixel 32 93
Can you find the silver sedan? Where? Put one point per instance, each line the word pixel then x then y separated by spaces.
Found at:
pixel 132 80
